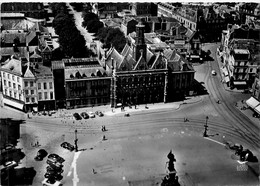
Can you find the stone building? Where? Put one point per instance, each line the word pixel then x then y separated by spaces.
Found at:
pixel 141 76
pixel 80 82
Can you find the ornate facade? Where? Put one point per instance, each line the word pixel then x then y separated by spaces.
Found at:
pixel 141 76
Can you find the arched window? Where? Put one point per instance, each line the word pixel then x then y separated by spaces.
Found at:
pixel 71 76
pixel 92 75
pixel 99 74
pixel 78 75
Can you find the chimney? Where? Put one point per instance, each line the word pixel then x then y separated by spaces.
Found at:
pixel 112 59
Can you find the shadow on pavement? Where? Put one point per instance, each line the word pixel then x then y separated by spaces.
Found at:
pixel 20 176
pixel 199 88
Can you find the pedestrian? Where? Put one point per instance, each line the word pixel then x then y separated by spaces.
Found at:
pixel 104 138
pixel 102 129
pixel 94 172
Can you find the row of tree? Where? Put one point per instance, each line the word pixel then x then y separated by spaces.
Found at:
pixel 72 43
pixel 107 35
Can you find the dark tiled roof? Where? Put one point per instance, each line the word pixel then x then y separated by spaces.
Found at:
pixel 42 70
pixel 22 52
pixel 10 35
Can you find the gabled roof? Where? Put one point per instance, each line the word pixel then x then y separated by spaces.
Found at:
pixel 159 62
pixel 28 73
pixel 176 62
pixel 13 65
pixel 141 64
pixel 35 55
pixel 22 52
pixel 112 53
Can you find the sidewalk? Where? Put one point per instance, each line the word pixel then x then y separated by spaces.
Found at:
pixel 108 111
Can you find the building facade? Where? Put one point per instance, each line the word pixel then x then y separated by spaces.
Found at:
pixel 140 75
pixel 85 82
pixel 12 84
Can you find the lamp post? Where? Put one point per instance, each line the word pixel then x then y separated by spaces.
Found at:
pixel 76 141
pixel 206 128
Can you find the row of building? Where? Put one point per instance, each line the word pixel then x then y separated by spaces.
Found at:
pixel 141 73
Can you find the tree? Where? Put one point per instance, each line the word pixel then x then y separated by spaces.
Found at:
pixel 112 36
pixel 94 25
pixel 89 16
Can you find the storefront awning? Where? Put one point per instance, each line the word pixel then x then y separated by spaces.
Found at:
pixel 13 103
pixel 252 102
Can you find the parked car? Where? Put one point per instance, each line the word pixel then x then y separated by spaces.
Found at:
pixel 54 164
pixel 91 115
pixel 84 115
pixel 99 113
pixel 68 146
pixel 127 114
pixel 40 155
pixel 51 182
pixel 213 72
pixel 53 175
pixel 77 116
pixel 55 169
pixel 8 165
pixel 56 158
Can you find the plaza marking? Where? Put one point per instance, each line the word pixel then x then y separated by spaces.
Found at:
pixel 215 141
pixel 73 166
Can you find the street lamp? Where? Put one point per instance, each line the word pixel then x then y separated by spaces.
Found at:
pixel 206 128
pixel 76 141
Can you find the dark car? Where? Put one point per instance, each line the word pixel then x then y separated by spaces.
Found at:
pixel 40 155
pixel 68 146
pixel 84 115
pixel 99 113
pixel 56 158
pixel 77 116
pixel 54 164
pixel 54 169
pixel 53 175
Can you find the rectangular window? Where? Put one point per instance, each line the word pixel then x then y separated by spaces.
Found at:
pixel 45 85
pixel 3 74
pixel 26 92
pixel 39 86
pixel 13 77
pixel 51 95
pixel 31 83
pixel 40 96
pixel 10 93
pixel 27 100
pixel 33 100
pixel 32 92
pixel 45 95
pixel 50 85
pixel 19 87
pixel 14 94
pixel 26 83
pixel 20 97
pixel 14 85
pixel 5 82
pixel 18 79
pixel 8 76
pixel 9 83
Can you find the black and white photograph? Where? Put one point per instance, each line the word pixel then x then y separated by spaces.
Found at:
pixel 117 93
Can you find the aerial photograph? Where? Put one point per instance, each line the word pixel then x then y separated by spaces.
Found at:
pixel 130 93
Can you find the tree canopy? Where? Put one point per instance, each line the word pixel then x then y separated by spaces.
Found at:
pixel 72 43
pixel 112 37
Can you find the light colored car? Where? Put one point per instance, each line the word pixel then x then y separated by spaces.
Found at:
pixel 91 115
pixel 213 72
